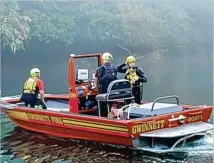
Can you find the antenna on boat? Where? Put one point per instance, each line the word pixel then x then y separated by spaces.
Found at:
pixel 72 55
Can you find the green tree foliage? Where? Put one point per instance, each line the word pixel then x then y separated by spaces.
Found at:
pixel 14 26
pixel 50 22
pixel 134 23
pixel 51 26
pixel 154 26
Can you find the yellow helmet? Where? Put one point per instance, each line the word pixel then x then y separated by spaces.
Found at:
pixel 130 59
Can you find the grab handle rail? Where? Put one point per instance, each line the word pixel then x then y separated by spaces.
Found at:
pixel 165 97
pixel 130 106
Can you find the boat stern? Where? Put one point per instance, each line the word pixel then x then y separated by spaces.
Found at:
pixel 172 139
pixel 170 132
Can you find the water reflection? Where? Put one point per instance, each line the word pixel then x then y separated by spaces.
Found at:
pixel 34 147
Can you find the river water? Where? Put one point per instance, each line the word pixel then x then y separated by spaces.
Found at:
pixel 178 76
pixel 19 146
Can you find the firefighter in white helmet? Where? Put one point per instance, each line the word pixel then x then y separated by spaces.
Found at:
pixel 105 74
pixel 33 86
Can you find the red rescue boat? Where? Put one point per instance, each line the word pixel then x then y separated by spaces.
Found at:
pixel 145 126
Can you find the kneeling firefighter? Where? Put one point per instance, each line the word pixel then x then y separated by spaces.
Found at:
pixel 32 87
pixel 135 75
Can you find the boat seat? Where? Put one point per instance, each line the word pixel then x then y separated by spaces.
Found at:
pixel 116 95
pixel 144 110
pixel 118 90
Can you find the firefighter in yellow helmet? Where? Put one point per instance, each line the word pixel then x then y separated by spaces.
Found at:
pixel 32 87
pixel 135 75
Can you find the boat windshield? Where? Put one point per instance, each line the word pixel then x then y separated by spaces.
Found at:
pixel 85 68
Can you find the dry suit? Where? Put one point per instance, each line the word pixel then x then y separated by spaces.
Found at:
pixel 105 74
pixel 137 88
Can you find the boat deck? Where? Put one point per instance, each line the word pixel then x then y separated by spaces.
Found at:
pixel 61 105
pixel 54 105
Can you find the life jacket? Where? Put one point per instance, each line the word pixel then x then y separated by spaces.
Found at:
pixel 130 73
pixel 109 75
pixel 30 86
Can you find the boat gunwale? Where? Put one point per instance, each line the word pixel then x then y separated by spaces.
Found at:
pixel 104 119
pixel 188 109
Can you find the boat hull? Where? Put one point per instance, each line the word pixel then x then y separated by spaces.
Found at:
pixel 72 133
pixel 73 126
pixel 101 129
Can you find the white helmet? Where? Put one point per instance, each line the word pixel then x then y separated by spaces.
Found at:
pixel 34 72
pixel 107 56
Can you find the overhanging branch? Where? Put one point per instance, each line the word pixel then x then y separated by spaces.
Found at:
pixel 123 48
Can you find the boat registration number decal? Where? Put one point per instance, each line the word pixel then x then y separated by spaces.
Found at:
pixel 195 118
pixel 148 126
